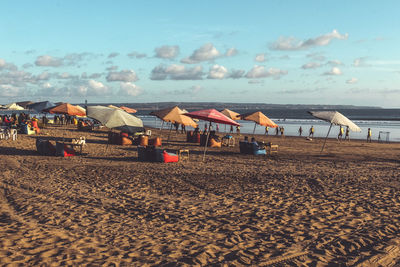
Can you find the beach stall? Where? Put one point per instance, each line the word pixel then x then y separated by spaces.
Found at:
pixel 259 118
pixel 334 118
pixel 211 115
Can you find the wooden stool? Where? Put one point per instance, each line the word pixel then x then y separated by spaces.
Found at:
pixel 183 154
pixel 272 149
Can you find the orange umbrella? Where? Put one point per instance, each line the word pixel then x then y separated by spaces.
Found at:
pixel 231 114
pixel 129 110
pixel 259 118
pixel 174 115
pixel 68 109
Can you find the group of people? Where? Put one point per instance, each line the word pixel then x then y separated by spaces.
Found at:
pixel 14 119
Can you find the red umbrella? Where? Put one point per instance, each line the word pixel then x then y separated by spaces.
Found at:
pixel 211 115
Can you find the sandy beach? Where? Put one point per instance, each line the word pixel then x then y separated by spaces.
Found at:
pixel 299 207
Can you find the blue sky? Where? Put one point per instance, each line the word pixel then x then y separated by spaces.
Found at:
pixel 283 52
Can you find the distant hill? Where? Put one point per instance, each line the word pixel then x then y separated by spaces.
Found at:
pixel 233 106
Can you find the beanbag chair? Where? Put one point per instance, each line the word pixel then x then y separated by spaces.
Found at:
pixel 170 157
pixel 214 143
pixel 64 151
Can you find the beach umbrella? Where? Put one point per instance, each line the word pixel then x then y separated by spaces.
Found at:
pixel 40 106
pixel 24 104
pixel 129 110
pixel 334 118
pixel 211 115
pixel 115 118
pixel 231 114
pixel 67 109
pixel 259 118
pixel 13 106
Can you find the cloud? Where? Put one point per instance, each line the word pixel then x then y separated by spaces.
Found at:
pixel 205 53
pixel 317 56
pixel 7 66
pixel 260 57
pixel 136 55
pixel 192 91
pixel 260 72
pixel 122 76
pixel 291 43
pixel 129 89
pixel 334 62
pixel 176 72
pixel 97 88
pixel 113 54
pixel 360 62
pixel 231 52
pixel 2 63
pixel 334 71
pixel 48 61
pixel 217 72
pixel 352 81
pixel 167 51
pixel 236 74
pixel 256 81
pixel 112 68
pixel 7 90
pixel 44 76
pixel 311 65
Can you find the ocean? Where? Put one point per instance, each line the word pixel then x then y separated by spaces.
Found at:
pixel 381 122
pixel 384 123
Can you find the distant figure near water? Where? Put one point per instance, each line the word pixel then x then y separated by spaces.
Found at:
pixel 300 131
pixel 347 135
pixel 311 134
pixel 369 135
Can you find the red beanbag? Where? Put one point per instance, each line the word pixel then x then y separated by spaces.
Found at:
pixel 170 157
pixel 68 152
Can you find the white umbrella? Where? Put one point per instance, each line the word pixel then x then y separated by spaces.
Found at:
pixel 115 118
pixel 13 106
pixel 334 118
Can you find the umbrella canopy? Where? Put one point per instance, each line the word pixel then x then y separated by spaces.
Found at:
pixel 129 110
pixel 259 118
pixel 67 109
pixel 174 115
pixel 24 104
pixel 231 114
pixel 335 118
pixel 212 115
pixel 40 106
pixel 13 106
pixel 115 118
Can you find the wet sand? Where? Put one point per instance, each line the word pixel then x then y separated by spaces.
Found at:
pixel 299 207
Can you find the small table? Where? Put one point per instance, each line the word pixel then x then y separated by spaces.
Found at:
pixel 228 140
pixel 183 154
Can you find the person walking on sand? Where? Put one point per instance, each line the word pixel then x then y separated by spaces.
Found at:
pixel 311 134
pixel 231 130
pixel 238 130
pixel 300 131
pixel 282 130
pixel 369 135
pixel 347 135
pixel 276 131
pixel 340 135
pixel 266 130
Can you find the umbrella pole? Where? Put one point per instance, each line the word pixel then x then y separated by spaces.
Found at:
pixel 254 130
pixel 205 146
pixel 169 133
pixel 326 138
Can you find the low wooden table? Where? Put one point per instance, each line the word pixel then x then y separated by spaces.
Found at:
pixel 183 154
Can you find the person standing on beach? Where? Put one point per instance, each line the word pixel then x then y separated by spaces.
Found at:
pixel 347 135
pixel 266 130
pixel 238 130
pixel 369 135
pixel 276 131
pixel 217 127
pixel 300 131
pixel 231 130
pixel 311 134
pixel 340 135
pixel 282 130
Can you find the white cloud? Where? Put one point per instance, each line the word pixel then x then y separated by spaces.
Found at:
pixel 352 81
pixel 43 76
pixel 122 76
pixel 167 51
pixel 205 53
pixel 311 65
pixel 7 90
pixel 261 72
pixel 217 72
pixel 260 57
pixel 48 61
pixel 291 43
pixel 360 62
pixel 334 62
pixel 176 72
pixel 334 71
pixel 231 52
pixel 236 74
pixel 97 88
pixel 192 91
pixel 2 63
pixel 129 89
pixel 113 54
pixel 136 55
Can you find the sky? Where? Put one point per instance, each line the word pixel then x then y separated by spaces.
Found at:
pixel 280 52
